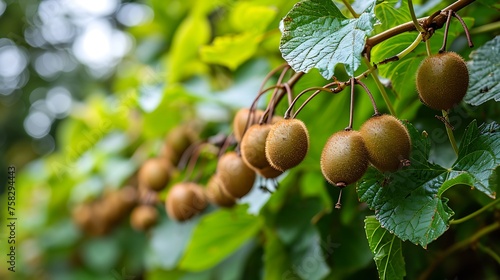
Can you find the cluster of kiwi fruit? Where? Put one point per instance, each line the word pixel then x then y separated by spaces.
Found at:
pixel 100 216
pixel 442 80
pixel 382 141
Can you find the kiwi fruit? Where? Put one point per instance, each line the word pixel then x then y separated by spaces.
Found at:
pixel 185 200
pixel 89 219
pixel 344 158
pixel 287 144
pixel 178 140
pixel 253 146
pixel 155 174
pixel 236 177
pixel 217 194
pixel 442 80
pixel 240 121
pixel 387 141
pixel 269 172
pixel 116 204
pixel 143 217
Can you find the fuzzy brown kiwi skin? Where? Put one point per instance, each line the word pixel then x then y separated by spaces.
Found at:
pixel 185 200
pixel 442 80
pixel 217 194
pixel 287 144
pixel 269 172
pixel 253 146
pixel 344 158
pixel 155 174
pixel 387 141
pixel 240 121
pixel 143 217
pixel 236 176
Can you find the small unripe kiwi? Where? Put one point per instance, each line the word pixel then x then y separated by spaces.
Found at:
pixel 155 174
pixel 442 80
pixel 143 217
pixel 185 200
pixel 344 159
pixel 240 121
pixel 387 141
pixel 217 194
pixel 237 178
pixel 287 144
pixel 253 146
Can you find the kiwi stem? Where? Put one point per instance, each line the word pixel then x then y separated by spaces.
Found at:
pixel 317 90
pixel 370 95
pixel 428 47
pixel 351 10
pixel 382 90
pixel 449 131
pixel 252 107
pixel 404 52
pixel 268 113
pixel 193 160
pixel 414 17
pixel 338 205
pixel 447 26
pixel 489 251
pixel 467 34
pixel 437 22
pixel 475 213
pixel 367 72
pixel 458 246
pixel 351 108
pixel 224 146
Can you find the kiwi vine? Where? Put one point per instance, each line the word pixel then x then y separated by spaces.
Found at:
pixel 262 146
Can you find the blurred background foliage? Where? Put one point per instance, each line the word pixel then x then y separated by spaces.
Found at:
pixel 90 89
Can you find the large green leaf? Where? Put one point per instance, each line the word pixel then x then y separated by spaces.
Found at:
pixel 217 235
pixel 231 50
pixel 409 202
pixel 315 34
pixel 479 158
pixel 386 249
pixel 484 69
pixel 391 13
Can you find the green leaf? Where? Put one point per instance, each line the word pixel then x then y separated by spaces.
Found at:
pixel 386 249
pixel 217 235
pixel 409 202
pixel 251 16
pixel 479 157
pixel 192 33
pixel 391 13
pixel 168 242
pixel 315 34
pixel 276 262
pixel 484 74
pixel 406 201
pixel 231 50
